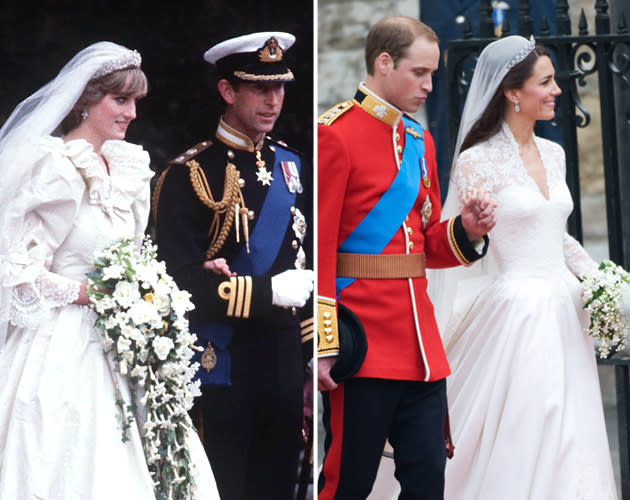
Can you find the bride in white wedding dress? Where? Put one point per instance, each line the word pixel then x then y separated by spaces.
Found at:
pixel 525 406
pixel 62 199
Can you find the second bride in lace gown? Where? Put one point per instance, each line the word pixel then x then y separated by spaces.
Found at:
pixel 524 397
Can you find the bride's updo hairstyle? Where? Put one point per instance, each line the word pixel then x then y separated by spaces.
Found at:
pixel 124 82
pixel 490 121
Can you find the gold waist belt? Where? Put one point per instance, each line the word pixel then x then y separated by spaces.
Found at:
pixel 381 266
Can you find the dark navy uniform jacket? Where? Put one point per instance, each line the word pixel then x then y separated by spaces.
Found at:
pixel 235 316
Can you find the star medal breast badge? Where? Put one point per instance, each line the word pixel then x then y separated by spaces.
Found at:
pixel 291 176
pixel 262 174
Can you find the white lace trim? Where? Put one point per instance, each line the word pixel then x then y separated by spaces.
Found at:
pixel 496 163
pixel 30 300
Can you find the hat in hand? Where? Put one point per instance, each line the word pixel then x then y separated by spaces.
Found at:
pixel 257 57
pixel 352 345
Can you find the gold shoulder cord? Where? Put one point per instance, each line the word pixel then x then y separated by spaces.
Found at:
pixel 156 193
pixel 227 208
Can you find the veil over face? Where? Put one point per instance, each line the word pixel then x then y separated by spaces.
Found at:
pixel 39 115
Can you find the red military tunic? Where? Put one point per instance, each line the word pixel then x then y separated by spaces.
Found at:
pixel 360 144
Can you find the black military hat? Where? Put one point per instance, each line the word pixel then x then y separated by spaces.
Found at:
pixel 257 57
pixel 352 345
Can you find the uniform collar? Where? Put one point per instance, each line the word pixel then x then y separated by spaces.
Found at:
pixel 372 104
pixel 235 139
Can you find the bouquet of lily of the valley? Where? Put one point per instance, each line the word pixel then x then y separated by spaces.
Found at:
pixel 142 316
pixel 607 299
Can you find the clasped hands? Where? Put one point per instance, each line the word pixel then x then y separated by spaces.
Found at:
pixel 478 215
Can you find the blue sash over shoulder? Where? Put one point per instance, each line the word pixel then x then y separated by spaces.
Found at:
pixel 264 244
pixel 379 226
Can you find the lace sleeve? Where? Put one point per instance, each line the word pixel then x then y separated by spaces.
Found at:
pixel 49 290
pixel 578 261
pixel 470 173
pixel 46 210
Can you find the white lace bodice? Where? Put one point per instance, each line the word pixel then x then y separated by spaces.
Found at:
pixel 72 208
pixel 530 235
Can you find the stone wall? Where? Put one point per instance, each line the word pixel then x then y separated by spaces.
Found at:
pixel 342 27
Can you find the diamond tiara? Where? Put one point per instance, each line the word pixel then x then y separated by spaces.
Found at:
pixel 131 59
pixel 523 53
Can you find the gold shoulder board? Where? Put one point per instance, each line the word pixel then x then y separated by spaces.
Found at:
pixel 335 112
pixel 190 153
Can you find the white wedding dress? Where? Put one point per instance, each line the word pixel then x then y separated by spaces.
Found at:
pixel 60 438
pixel 524 399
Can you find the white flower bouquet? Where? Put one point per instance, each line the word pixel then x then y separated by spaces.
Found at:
pixel 142 316
pixel 607 299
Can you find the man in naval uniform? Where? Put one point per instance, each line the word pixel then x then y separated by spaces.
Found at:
pixel 233 217
pixel 378 228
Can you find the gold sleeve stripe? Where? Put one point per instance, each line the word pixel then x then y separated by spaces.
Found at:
pixel 247 303
pixel 453 242
pixel 307 323
pixel 327 331
pixel 238 292
pixel 307 328
pixel 240 289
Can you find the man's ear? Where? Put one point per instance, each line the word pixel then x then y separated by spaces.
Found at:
pixel 226 90
pixel 383 63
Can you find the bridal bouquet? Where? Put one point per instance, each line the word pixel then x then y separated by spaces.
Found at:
pixel 141 314
pixel 607 299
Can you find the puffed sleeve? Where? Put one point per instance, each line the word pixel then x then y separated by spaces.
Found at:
pixel 45 211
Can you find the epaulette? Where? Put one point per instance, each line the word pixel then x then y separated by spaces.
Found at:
pixel 335 112
pixel 190 153
pixel 180 160
pixel 283 145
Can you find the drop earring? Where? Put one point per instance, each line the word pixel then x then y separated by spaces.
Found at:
pixel 517 108
pixel 84 114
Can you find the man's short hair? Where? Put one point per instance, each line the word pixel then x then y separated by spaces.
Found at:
pixel 394 35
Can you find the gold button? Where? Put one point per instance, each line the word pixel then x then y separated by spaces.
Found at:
pixel 409 231
pixel 327 330
pixel 399 148
pixel 407 219
pixel 410 245
pixel 294 244
pixel 292 209
pixel 397 136
pixel 241 183
pixel 327 323
pixel 327 315
pixel 329 338
pixel 230 154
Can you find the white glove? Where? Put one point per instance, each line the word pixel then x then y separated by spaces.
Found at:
pixel 292 288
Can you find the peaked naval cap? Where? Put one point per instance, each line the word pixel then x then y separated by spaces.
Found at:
pixel 257 57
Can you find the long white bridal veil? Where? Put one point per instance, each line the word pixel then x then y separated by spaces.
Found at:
pixel 451 290
pixel 38 115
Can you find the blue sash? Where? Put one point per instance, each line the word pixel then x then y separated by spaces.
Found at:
pixel 379 226
pixel 264 244
pixel 266 238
